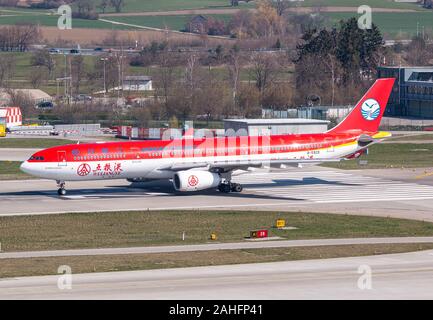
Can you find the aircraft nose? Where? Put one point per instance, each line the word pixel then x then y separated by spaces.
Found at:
pixel 25 167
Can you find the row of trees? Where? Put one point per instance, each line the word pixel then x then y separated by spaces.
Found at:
pixel 18 37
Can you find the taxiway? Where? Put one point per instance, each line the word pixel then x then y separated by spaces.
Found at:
pixel 395 276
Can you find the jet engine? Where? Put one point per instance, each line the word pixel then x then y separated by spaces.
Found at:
pixel 186 181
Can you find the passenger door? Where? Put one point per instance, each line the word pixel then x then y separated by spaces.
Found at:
pixel 61 158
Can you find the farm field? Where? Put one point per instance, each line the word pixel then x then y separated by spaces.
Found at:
pixel 393 24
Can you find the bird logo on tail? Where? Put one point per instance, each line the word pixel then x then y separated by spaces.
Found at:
pixel 370 109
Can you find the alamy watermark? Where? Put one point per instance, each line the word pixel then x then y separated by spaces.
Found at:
pixel 365 281
pixel 65 20
pixel 64 282
pixel 366 19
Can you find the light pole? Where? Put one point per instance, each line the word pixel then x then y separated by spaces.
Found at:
pixel 105 88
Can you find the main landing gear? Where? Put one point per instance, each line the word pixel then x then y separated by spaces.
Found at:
pixel 230 187
pixel 62 190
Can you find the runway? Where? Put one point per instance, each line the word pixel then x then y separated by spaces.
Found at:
pixel 396 276
pixel 316 189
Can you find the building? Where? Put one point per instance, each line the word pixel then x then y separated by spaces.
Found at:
pixel 313 112
pixel 137 83
pixel 197 24
pixel 324 112
pixel 11 116
pixel 412 95
pixel 242 127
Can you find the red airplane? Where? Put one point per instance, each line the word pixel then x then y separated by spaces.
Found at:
pixel 205 163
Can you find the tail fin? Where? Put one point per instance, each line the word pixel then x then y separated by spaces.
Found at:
pixel 368 112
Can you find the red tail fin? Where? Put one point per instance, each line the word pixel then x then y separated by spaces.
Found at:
pixel 368 112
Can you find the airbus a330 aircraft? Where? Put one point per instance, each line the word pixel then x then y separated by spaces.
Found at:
pixel 198 164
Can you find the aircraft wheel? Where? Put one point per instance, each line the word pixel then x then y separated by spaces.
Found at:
pixel 237 187
pixel 224 188
pixel 61 192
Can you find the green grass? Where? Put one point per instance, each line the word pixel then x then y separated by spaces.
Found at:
pixel 421 137
pixel 128 229
pixel 393 24
pixel 37 143
pixel 392 155
pixel 357 3
pixel 171 5
pixel 109 263
pixel 176 22
pixel 10 170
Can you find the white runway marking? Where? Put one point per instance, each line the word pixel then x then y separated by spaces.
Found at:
pixel 332 187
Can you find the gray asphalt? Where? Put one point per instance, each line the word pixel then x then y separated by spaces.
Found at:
pixel 214 246
pixel 396 276
pixel 13 154
pixel 398 193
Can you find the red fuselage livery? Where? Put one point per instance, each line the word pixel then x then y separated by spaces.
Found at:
pixel 198 164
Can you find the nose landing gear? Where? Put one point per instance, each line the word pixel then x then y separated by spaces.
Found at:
pixel 61 191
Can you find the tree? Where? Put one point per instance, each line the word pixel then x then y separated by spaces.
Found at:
pixel 45 59
pixel 117 5
pixel 103 5
pixel 264 68
pixel 249 101
pixel 7 68
pixel 234 65
pixel 18 37
pixel 38 77
pixel 77 71
pixel 281 5
pixel 418 52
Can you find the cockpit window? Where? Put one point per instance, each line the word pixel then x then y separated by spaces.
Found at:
pixel 38 158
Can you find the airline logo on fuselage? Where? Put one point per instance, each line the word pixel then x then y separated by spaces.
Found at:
pixel 370 109
pixel 83 170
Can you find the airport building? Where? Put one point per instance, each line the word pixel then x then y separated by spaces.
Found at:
pixel 412 95
pixel 252 127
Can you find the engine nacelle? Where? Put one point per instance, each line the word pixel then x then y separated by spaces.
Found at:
pixel 187 181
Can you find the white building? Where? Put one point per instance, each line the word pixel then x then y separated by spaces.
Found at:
pixel 137 83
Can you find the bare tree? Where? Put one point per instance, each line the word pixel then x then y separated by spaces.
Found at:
pixel 264 69
pixel 43 58
pixel 18 37
pixel 38 76
pixel 103 5
pixel 7 68
pixel 234 66
pixel 77 71
pixel 117 4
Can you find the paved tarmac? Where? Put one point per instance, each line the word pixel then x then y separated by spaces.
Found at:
pixel 395 276
pixel 14 154
pixel 313 189
pixel 213 246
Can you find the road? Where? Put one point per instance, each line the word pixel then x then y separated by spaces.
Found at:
pixel 213 247
pixel 314 189
pixel 395 276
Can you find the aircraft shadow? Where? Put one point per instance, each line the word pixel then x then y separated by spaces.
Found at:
pixel 166 189
pixel 293 182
